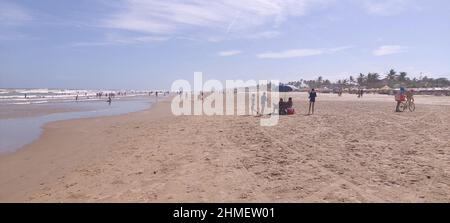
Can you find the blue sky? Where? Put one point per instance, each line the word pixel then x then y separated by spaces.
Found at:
pixel 145 44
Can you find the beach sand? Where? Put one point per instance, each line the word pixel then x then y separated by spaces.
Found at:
pixel 350 150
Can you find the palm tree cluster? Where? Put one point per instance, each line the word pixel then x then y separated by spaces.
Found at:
pixel 392 79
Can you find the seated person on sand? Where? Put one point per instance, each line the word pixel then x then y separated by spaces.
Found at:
pixel 282 107
pixel 285 108
pixel 289 103
pixel 289 107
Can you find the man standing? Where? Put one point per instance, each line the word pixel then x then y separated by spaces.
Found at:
pixel 312 100
pixel 253 103
pixel 263 102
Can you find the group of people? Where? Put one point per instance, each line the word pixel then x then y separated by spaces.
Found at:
pixel 101 94
pixel 284 108
pixel 360 93
pixel 263 101
pixel 157 93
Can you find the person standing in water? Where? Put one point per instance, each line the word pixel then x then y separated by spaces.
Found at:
pixel 312 100
pixel 76 98
pixel 109 100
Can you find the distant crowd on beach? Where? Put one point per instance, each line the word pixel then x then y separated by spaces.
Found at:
pixel 111 95
pixel 403 98
pixel 285 107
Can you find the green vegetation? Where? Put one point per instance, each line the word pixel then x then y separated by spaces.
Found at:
pixel 392 79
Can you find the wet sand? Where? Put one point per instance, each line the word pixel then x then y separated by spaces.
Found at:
pixel 33 110
pixel 351 150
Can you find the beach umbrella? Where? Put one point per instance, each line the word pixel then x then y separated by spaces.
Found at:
pixel 287 88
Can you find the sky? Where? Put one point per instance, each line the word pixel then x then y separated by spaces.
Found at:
pixel 148 44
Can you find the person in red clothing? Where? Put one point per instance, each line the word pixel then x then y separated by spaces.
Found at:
pixel 399 97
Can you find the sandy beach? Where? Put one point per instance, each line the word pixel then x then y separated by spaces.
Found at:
pixel 350 150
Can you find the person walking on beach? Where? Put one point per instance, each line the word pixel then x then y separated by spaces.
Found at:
pixel 253 103
pixel 312 100
pixel 109 100
pixel 76 98
pixel 263 102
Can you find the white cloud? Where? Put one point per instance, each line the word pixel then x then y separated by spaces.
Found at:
pixel 262 35
pixel 229 53
pixel 246 36
pixel 385 7
pixel 338 49
pixel 13 14
pixel 228 17
pixel 293 53
pixel 389 49
pixel 116 39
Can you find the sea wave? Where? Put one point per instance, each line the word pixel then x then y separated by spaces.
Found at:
pixel 45 95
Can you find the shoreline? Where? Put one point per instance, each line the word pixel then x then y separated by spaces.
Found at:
pixel 348 152
pixel 20 111
pixel 18 132
pixel 35 160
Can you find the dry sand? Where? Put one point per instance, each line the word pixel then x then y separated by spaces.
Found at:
pixel 351 150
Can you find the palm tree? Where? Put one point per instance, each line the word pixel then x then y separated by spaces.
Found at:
pixel 361 79
pixel 373 79
pixel 345 82
pixel 402 76
pixel 391 75
pixel 352 80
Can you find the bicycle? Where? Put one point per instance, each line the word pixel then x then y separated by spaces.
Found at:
pixel 407 105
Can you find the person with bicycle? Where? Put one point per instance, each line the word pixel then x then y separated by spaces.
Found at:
pixel 400 97
pixel 410 96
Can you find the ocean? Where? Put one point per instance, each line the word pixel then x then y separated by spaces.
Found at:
pixel 39 96
pixel 18 131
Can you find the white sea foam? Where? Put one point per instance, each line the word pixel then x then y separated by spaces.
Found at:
pixel 44 95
